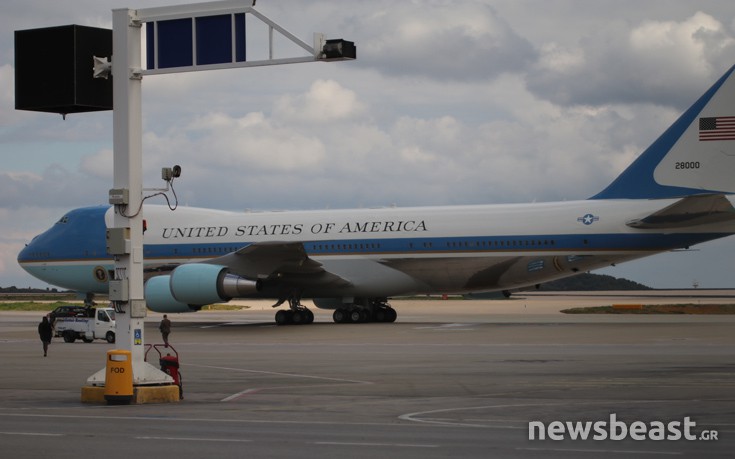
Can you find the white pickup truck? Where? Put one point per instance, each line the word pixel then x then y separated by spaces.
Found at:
pixel 101 325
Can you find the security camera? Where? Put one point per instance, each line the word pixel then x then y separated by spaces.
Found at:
pixel 170 173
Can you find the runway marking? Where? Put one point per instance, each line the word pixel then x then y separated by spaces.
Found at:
pixel 194 439
pixel 598 451
pixel 276 373
pixel 170 419
pixel 396 445
pixel 412 416
pixel 240 394
pixel 235 396
pixel 33 434
pixel 469 422
pixel 228 324
pixel 448 327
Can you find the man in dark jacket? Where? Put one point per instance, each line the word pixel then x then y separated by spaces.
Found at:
pixel 45 332
pixel 165 328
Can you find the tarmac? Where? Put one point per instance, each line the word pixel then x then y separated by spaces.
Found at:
pixel 451 378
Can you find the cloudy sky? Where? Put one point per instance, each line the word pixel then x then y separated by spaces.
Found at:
pixel 449 102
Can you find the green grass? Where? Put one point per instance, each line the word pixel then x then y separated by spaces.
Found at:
pixel 658 309
pixel 224 307
pixel 34 306
pixel 48 307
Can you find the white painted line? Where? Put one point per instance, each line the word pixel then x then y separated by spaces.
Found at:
pixel 290 375
pixel 194 419
pixel 598 451
pixel 395 445
pixel 194 439
pixel 415 417
pixel 331 381
pixel 33 434
pixel 448 327
pixel 240 394
pixel 228 324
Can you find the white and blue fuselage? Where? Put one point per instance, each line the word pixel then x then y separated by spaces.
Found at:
pixel 437 249
pixel 676 194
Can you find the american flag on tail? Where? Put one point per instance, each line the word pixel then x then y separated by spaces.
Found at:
pixel 717 128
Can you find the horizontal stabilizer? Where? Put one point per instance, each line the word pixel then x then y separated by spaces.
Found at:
pixel 695 210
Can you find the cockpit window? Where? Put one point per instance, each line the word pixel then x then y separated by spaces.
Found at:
pixel 64 219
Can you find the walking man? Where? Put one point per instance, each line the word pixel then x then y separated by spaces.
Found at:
pixel 45 332
pixel 165 328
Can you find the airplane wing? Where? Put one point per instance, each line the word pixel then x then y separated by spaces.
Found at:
pixel 285 263
pixel 694 210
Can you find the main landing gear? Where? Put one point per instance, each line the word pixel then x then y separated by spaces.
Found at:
pixel 365 310
pixel 372 311
pixel 296 315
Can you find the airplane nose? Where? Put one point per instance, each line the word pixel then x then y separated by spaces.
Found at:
pixel 25 253
pixel 33 259
pixel 71 253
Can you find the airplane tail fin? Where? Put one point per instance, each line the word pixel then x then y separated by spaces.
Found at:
pixel 696 155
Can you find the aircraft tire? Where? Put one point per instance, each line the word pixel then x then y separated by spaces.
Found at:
pixel 355 316
pixel 283 317
pixel 297 317
pixel 339 316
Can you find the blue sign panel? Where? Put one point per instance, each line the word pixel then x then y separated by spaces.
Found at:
pixel 203 40
pixel 240 37
pixel 174 43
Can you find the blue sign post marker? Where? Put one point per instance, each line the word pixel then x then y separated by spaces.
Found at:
pixel 138 336
pixel 209 36
pixel 195 41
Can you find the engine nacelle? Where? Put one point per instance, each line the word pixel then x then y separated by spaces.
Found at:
pixel 158 297
pixel 191 286
pixel 201 284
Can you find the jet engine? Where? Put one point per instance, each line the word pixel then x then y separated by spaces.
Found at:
pixel 191 286
pixel 158 296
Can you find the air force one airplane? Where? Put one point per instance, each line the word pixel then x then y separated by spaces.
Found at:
pixel 676 194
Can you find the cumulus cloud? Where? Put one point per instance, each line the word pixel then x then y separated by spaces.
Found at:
pixel 56 187
pixel 14 186
pixel 253 143
pixel 455 40
pixel 660 62
pixel 326 101
pixel 98 165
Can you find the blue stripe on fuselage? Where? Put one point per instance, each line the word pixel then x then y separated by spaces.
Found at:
pixel 494 244
pixel 80 236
